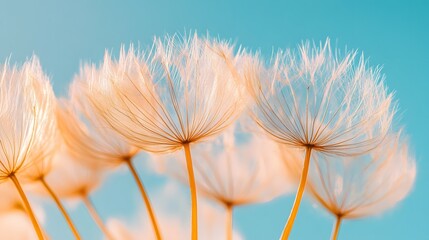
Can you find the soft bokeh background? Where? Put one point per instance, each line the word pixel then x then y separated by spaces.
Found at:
pixel 392 33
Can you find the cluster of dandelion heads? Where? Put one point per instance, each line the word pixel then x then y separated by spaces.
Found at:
pixel 327 114
pixel 321 98
pixel 27 118
pixel 356 187
pixel 182 90
pixel 179 92
pixel 235 168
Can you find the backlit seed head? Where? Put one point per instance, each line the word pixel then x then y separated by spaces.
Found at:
pixel 356 187
pixel 27 120
pixel 317 97
pixel 87 138
pixel 182 90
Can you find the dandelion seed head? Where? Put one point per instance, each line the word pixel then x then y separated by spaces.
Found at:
pixel 356 187
pixel 27 119
pixel 182 90
pixel 318 97
pixel 88 139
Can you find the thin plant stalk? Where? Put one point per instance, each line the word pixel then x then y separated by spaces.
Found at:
pixel 61 208
pixel 300 192
pixel 28 208
pixel 193 187
pixel 336 228
pixel 95 216
pixel 145 198
pixel 229 221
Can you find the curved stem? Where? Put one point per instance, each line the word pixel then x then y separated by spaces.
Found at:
pixel 288 227
pixel 61 208
pixel 27 206
pixel 229 221
pixel 95 216
pixel 193 188
pixel 336 228
pixel 145 198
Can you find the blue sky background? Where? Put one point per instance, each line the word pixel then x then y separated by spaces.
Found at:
pixel 392 33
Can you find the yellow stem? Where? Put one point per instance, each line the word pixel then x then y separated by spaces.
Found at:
pixel 229 221
pixel 27 206
pixel 145 198
pixel 95 216
pixel 193 187
pixel 298 197
pixel 336 228
pixel 61 208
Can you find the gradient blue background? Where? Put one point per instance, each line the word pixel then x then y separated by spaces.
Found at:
pixel 392 33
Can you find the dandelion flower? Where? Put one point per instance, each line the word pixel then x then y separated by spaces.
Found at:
pixel 27 105
pixel 180 92
pixel 237 168
pixel 357 187
pixel 320 100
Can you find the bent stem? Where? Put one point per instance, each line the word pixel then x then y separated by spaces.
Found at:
pixel 95 216
pixel 193 187
pixel 229 221
pixel 300 192
pixel 61 208
pixel 336 228
pixel 145 198
pixel 27 206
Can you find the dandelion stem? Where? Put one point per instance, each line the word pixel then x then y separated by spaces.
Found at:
pixel 336 228
pixel 145 198
pixel 27 206
pixel 95 216
pixel 298 197
pixel 61 208
pixel 229 221
pixel 193 188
